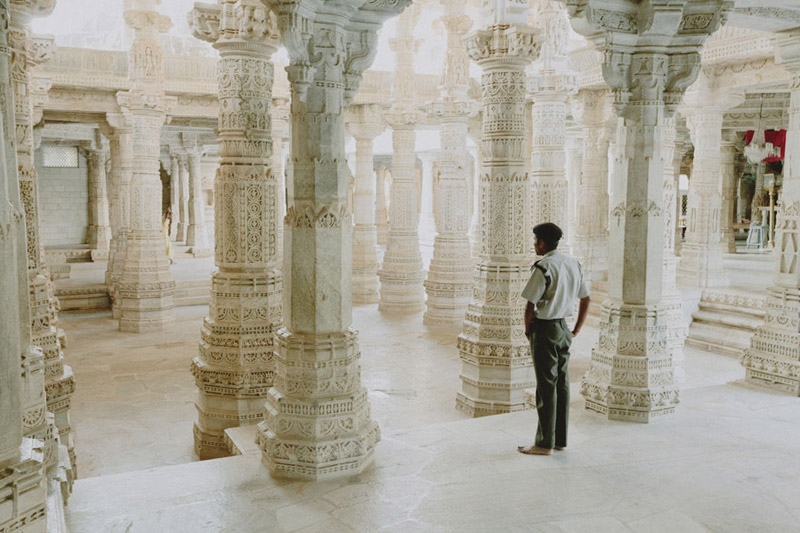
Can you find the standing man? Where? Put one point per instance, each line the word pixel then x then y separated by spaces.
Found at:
pixel 556 281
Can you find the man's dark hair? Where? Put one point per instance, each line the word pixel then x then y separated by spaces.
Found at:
pixel 549 233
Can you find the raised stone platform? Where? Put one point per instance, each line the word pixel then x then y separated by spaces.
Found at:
pixel 726 320
pixel 686 474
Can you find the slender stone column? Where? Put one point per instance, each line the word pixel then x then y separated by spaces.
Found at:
pixel 120 135
pixel 773 359
pixel 281 117
pixel 364 122
pixel 741 200
pixel 449 281
pixel 145 286
pixel 632 373
pixel 573 148
pixel 26 52
pixel 183 198
pixel 381 215
pixel 701 259
pixel 317 419
pixel 592 108
pixel 175 195
pixel 21 474
pixel 671 298
pixel 729 190
pixel 236 365
pixel 196 236
pixel 550 86
pixel 98 233
pixel 474 130
pixel 402 274
pixel 495 354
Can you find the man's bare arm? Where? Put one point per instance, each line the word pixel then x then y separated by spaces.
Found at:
pixel 582 310
pixel 529 309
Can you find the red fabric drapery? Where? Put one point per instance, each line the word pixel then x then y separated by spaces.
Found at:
pixel 776 137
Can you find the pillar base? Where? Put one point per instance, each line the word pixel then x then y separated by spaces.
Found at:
pixel 773 359
pixel 235 368
pixel 146 287
pixel 701 265
pixel 366 285
pixel 24 483
pixel 402 292
pixel 449 282
pixel 631 375
pixel 200 252
pixel 317 421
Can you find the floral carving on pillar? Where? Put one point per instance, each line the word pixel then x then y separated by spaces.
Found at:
pixel 449 280
pixel 651 55
pixel 495 354
pixel 317 421
pixel 773 359
pixel 236 364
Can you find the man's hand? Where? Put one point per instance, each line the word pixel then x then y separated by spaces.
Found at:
pixel 583 308
pixel 529 313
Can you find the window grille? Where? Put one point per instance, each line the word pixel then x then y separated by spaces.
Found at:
pixel 60 156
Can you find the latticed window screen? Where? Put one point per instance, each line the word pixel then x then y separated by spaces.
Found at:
pixel 684 198
pixel 60 156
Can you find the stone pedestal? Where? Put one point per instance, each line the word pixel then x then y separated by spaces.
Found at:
pixel 773 359
pixel 449 281
pixel 365 123
pixel 632 373
pixel 145 286
pixel 589 238
pixel 317 421
pixel 236 364
pixel 495 354
pixel 402 274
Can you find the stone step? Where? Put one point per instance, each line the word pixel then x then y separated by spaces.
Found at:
pixel 719 339
pixel 727 309
pixel 241 440
pixel 731 320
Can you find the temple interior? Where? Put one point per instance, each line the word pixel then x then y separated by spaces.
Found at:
pixel 262 264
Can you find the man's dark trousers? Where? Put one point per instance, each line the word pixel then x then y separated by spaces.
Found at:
pixel 550 340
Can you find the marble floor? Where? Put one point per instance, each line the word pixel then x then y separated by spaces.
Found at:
pixel 726 462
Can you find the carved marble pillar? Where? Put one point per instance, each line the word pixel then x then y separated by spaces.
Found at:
pixel 183 198
pixel 26 52
pixel 381 211
pixel 474 130
pixel 364 122
pixel 449 280
pixel 22 400
pixel 402 274
pixel 196 236
pixel 495 354
pixel 632 372
pixel 671 298
pixel 550 87
pixel 120 135
pixel 145 287
pixel 175 194
pixel 741 199
pixel 589 238
pixel 317 421
pixel 236 364
pixel 98 233
pixel 281 116
pixel 773 359
pixel 701 259
pixel 728 201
